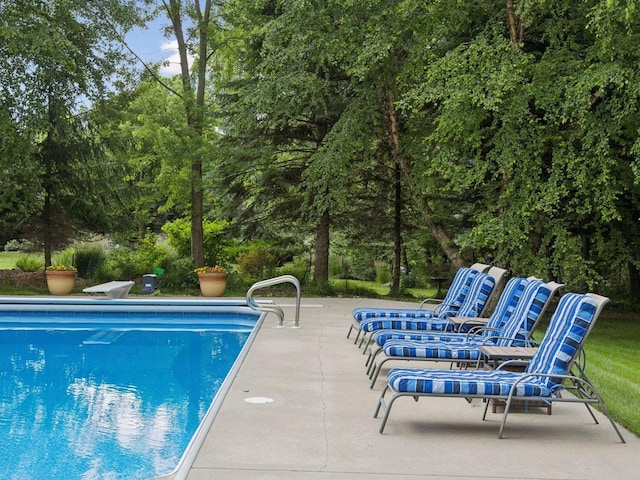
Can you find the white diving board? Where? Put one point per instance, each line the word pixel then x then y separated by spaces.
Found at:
pixel 112 289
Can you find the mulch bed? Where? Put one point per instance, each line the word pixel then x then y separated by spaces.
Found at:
pixel 18 279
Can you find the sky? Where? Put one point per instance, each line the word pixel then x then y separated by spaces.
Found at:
pixel 152 46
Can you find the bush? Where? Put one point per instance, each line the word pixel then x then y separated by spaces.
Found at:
pixel 88 259
pixel 179 237
pixel 383 274
pixel 21 245
pixel 364 267
pixel 257 262
pixel 178 274
pixel 149 253
pixel 29 263
pixel 122 264
pixel 298 270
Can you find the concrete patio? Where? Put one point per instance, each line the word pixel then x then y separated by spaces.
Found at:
pixel 301 408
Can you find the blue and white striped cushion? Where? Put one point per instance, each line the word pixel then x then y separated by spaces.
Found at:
pixel 463 382
pixel 433 324
pixel 565 335
pixel 476 298
pixel 518 329
pixel 364 313
pixel 432 350
pixel 528 309
pixel 504 309
pixel 451 303
pixel 507 302
pixel 476 294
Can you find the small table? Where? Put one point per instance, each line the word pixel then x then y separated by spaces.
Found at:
pixel 439 281
pixel 496 355
pixel 467 321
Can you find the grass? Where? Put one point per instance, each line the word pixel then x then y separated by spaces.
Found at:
pixel 612 366
pixel 8 260
pixel 361 288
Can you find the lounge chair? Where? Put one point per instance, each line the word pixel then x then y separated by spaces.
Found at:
pixel 507 303
pixel 476 297
pixel 547 376
pixel 452 301
pixel 513 332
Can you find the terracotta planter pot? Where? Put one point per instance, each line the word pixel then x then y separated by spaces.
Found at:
pixel 60 282
pixel 213 284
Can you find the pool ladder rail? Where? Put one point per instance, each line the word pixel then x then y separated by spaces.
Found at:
pixel 272 307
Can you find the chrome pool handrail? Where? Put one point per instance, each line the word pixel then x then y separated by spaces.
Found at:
pixel 273 308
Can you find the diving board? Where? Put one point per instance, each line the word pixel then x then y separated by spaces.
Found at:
pixel 113 289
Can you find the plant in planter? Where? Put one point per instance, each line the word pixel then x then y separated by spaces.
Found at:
pixel 213 280
pixel 61 279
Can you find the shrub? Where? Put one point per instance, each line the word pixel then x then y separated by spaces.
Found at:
pixel 179 237
pixel 383 274
pixel 123 264
pixel 29 263
pixel 88 259
pixel 364 267
pixel 178 274
pixel 151 254
pixel 256 262
pixel 297 269
pixel 21 245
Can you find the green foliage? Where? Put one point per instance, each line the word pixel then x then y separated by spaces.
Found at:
pixel 215 241
pixel 363 267
pixel 21 245
pixel 383 273
pixel 178 276
pixel 122 264
pixel 298 269
pixel 30 263
pixel 88 259
pixel 66 257
pixel 256 262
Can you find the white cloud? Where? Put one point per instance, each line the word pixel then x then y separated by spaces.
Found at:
pixel 173 66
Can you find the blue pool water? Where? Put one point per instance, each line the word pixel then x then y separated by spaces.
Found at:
pixel 116 395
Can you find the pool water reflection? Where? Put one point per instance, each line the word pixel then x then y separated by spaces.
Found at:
pixel 106 404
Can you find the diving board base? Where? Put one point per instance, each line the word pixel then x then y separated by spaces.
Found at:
pixel 113 289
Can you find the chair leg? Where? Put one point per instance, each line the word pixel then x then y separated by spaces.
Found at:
pixel 388 406
pixel 486 408
pixel 371 362
pixel 376 372
pixel 507 406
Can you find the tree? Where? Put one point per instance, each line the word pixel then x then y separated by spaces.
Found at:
pixel 61 55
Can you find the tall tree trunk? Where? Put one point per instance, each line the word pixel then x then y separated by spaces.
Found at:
pixel 392 122
pixel 194 110
pixel 321 271
pixel 397 231
pixel 634 283
pixel 47 229
pixel 515 23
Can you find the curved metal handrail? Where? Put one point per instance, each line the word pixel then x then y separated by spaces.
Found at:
pixel 272 307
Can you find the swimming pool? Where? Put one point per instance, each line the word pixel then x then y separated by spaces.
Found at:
pixel 113 389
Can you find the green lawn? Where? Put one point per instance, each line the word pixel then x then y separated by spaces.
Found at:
pixel 361 286
pixel 612 366
pixel 8 260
